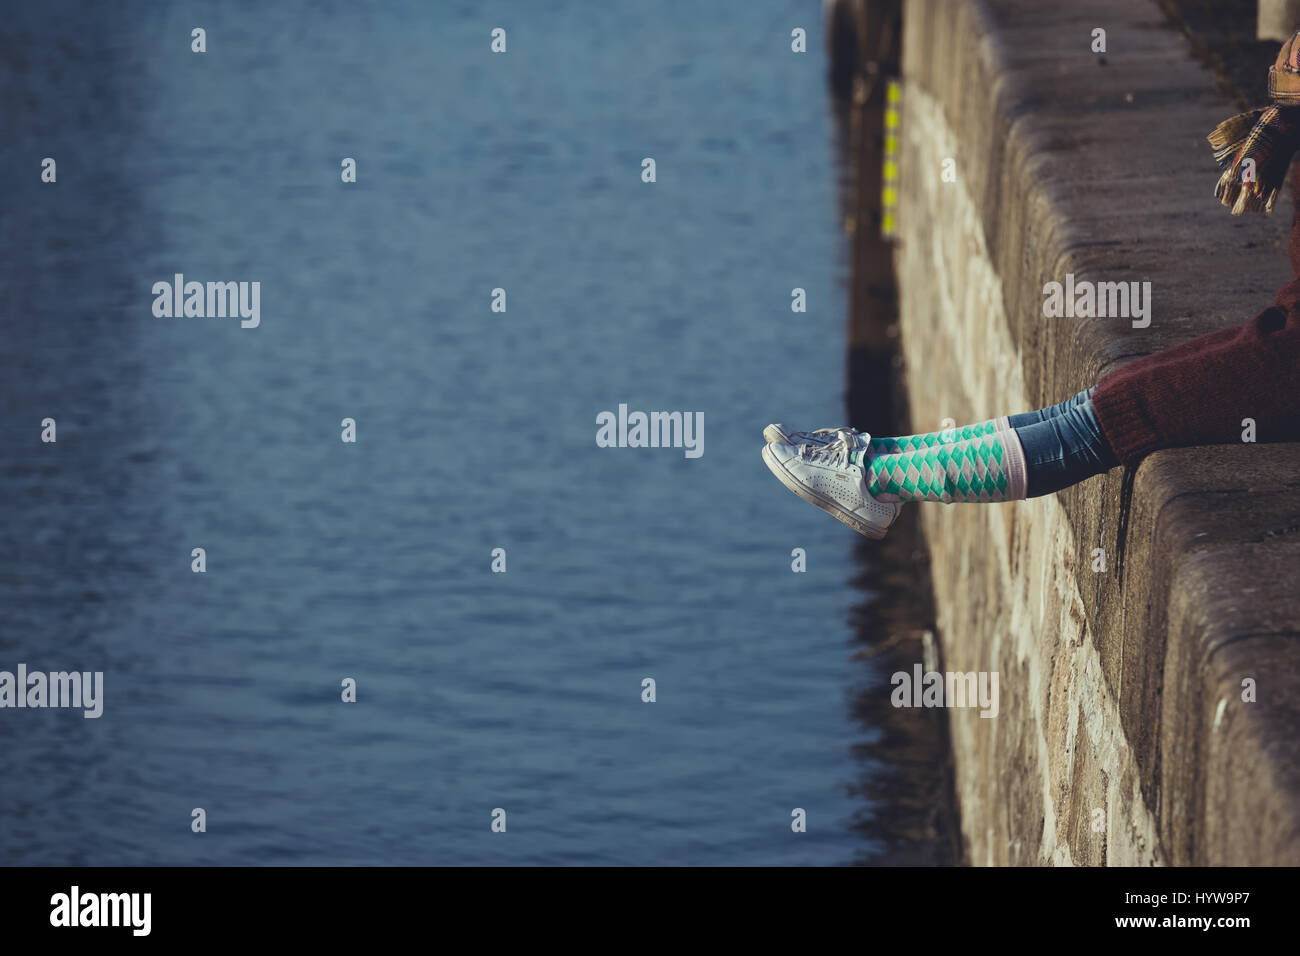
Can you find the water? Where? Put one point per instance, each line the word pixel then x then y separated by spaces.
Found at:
pixel 475 431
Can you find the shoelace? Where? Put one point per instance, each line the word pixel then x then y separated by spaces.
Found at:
pixel 834 453
pixel 854 436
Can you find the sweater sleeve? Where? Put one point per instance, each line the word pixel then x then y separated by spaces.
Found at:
pixel 1201 392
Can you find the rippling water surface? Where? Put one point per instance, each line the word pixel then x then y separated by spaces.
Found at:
pixel 475 431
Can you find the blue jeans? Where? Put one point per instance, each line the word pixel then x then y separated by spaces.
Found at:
pixel 1063 445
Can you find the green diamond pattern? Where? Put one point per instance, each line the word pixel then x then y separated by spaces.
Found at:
pixel 933 468
pixel 905 443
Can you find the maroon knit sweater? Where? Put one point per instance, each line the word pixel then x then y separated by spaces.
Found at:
pixel 1198 393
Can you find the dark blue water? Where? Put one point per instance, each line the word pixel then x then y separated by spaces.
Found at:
pixel 475 431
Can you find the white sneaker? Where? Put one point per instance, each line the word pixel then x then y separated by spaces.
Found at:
pixel 776 434
pixel 822 475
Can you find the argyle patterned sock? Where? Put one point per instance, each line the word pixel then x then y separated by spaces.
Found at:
pixel 892 446
pixel 986 467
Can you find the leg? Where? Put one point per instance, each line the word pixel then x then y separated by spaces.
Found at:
pixel 1041 452
pixel 1065 449
pixel 891 445
pixel 987 467
pixel 1051 411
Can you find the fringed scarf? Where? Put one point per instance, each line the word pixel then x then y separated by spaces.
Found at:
pixel 1255 149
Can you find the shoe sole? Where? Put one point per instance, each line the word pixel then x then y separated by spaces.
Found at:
pixel 813 498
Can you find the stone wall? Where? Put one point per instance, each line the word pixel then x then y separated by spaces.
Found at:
pixel 1121 690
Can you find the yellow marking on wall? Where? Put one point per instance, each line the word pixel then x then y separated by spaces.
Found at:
pixel 889 186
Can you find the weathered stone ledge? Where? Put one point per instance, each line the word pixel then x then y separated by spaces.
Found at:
pixel 1121 690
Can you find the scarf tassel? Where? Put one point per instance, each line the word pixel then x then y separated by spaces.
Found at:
pixel 1254 150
